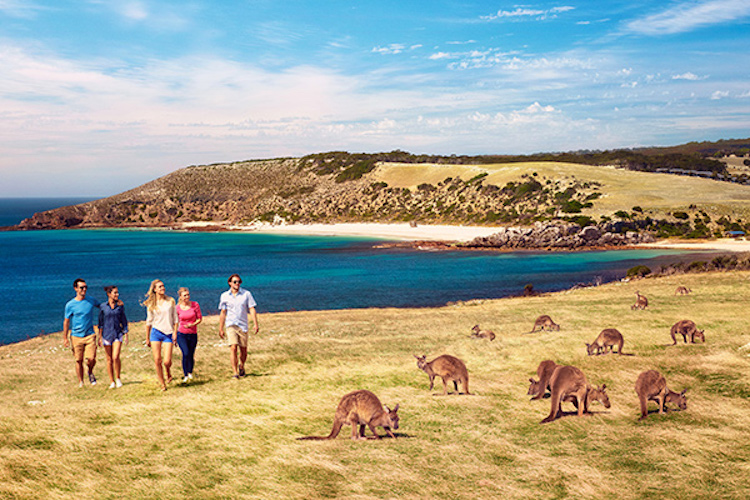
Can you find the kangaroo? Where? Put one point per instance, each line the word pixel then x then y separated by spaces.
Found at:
pixel 482 334
pixel 448 368
pixel 544 371
pixel 568 383
pixel 544 322
pixel 686 327
pixel 651 386
pixel 641 302
pixel 609 337
pixel 682 290
pixel 361 408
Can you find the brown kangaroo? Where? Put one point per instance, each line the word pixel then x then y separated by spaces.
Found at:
pixel 682 290
pixel 568 383
pixel 609 337
pixel 448 368
pixel 544 322
pixel 686 327
pixel 651 386
pixel 544 371
pixel 641 302
pixel 361 408
pixel 482 334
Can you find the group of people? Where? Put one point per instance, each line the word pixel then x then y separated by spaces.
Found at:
pixel 167 321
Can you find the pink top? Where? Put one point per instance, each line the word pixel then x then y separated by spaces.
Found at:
pixel 187 317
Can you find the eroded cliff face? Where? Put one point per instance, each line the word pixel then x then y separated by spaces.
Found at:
pixel 296 190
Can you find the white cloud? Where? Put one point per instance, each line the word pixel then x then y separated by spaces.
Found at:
pixel 688 16
pixel 394 48
pixel 441 55
pixel 525 12
pixel 719 94
pixel 688 76
pixel 19 8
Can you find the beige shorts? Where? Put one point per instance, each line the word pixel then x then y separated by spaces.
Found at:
pixel 84 347
pixel 236 336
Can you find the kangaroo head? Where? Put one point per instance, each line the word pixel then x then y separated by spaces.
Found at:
pixel 699 335
pixel 475 328
pixel 600 394
pixel 590 349
pixel 393 416
pixel 534 387
pixel 678 398
pixel 421 361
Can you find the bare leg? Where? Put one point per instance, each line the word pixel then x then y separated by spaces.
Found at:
pixel 233 358
pixel 116 349
pixel 168 360
pixel 110 367
pixel 243 357
pixel 156 352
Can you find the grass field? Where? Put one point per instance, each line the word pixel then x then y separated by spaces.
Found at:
pixel 224 438
pixel 622 189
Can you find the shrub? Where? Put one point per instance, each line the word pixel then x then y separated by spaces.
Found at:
pixel 680 215
pixel 638 271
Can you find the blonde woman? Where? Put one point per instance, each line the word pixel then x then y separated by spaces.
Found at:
pixel 161 328
pixel 189 313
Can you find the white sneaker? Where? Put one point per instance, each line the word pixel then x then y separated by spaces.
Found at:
pixel 190 376
pixel 185 379
pixel 80 385
pixel 118 383
pixel 112 385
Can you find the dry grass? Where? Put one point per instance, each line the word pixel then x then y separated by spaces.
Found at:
pixel 623 189
pixel 221 438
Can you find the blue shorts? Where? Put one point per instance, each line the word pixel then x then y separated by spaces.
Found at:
pixel 117 338
pixel 158 336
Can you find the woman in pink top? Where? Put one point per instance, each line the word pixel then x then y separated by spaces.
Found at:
pixel 189 315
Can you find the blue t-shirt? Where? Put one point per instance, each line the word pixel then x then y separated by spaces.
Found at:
pixel 81 315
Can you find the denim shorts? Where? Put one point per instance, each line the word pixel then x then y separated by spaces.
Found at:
pixel 117 338
pixel 158 336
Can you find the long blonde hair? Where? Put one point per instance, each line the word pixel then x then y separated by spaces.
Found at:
pixel 152 299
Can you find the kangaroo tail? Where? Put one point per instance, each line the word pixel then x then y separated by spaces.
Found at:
pixel 334 432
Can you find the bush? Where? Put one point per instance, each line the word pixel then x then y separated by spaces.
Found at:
pixel 680 215
pixel 638 271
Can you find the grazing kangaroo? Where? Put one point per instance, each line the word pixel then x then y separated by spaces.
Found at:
pixel 544 322
pixel 482 334
pixel 361 408
pixel 448 368
pixel 609 337
pixel 568 383
pixel 652 386
pixel 682 290
pixel 641 302
pixel 544 371
pixel 686 327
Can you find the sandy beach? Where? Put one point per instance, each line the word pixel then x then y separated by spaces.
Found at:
pixel 722 244
pixel 387 231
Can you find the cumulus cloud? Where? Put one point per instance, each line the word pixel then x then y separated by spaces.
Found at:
pixel 524 12
pixel 688 76
pixel 689 16
pixel 719 94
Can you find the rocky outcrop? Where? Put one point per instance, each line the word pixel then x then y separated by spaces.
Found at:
pixel 557 236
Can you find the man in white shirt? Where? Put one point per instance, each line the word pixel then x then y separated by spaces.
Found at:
pixel 234 305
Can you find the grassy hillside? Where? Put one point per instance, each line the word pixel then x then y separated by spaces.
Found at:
pixel 222 438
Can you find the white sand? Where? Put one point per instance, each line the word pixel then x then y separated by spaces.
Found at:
pixel 723 244
pixel 387 231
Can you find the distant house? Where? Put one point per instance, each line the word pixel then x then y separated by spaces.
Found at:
pixel 735 234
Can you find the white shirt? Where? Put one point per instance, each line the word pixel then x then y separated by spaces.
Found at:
pixel 163 318
pixel 237 307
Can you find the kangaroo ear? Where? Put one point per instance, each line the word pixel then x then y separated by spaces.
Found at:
pixel 532 381
pixel 388 410
pixel 683 392
pixel 604 386
pixel 395 408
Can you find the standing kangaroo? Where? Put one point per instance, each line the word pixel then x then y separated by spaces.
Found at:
pixel 682 290
pixel 544 371
pixel 448 368
pixel 641 302
pixel 568 383
pixel 361 408
pixel 482 334
pixel 686 327
pixel 652 386
pixel 609 337
pixel 544 322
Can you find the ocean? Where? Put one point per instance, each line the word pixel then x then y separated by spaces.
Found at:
pixel 284 273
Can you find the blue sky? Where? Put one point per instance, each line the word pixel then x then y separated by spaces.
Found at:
pixel 99 96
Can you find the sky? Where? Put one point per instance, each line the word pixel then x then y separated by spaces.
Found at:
pixel 100 96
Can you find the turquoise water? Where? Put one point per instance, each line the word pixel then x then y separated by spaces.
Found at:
pixel 283 272
pixel 14 210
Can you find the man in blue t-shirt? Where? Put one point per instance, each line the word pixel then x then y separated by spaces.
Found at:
pixel 234 305
pixel 78 330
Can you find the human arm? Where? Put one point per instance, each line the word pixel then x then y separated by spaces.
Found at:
pixel 149 321
pixel 124 324
pixel 254 316
pixel 198 315
pixel 66 332
pixel 222 319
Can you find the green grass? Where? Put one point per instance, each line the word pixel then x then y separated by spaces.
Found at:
pixel 221 438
